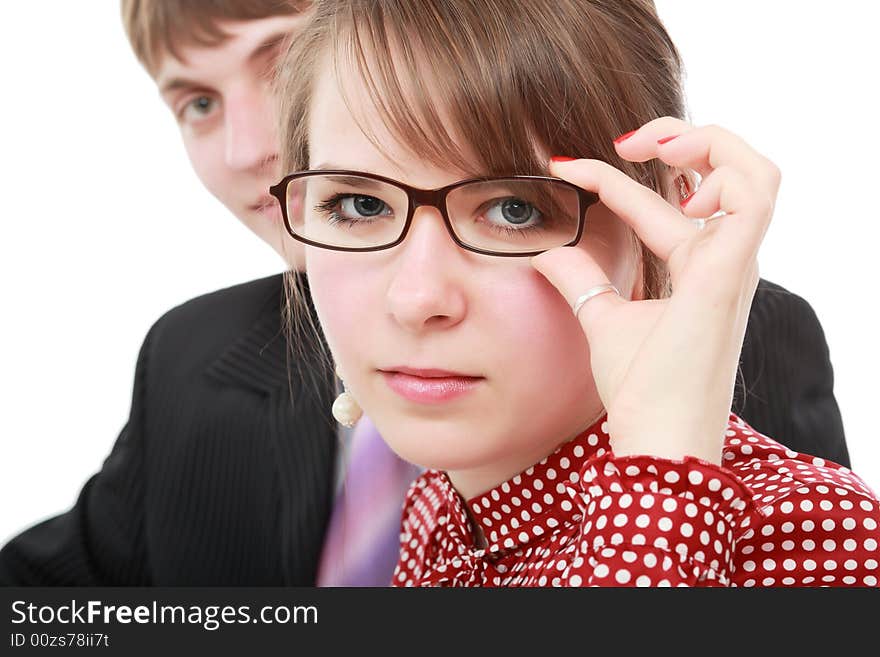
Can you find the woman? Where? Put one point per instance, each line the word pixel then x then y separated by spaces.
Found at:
pixel 456 270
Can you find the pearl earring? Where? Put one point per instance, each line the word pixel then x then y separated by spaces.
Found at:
pixel 345 409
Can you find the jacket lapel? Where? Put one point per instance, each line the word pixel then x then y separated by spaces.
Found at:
pixel 298 393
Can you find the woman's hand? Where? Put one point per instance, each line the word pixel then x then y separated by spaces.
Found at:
pixel 665 369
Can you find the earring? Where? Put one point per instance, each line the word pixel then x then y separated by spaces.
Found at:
pixel 684 188
pixel 345 409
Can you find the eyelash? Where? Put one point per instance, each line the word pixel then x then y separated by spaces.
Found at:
pixel 328 208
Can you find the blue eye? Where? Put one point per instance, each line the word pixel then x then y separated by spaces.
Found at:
pixel 365 206
pixel 198 109
pixel 513 212
pixel 354 209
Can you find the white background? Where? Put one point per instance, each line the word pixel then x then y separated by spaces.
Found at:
pixel 104 226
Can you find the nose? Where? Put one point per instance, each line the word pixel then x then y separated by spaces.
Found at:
pixel 250 131
pixel 426 291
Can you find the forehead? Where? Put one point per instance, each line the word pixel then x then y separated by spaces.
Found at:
pixel 245 42
pixel 347 129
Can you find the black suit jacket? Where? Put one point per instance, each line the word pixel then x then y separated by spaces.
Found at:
pixel 223 474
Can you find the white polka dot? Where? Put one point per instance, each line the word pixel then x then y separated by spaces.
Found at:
pixel 601 570
pixel 687 529
pixel 671 477
pixel 714 485
pixel 809 564
pixel 622 576
pixel 870 544
pixel 695 477
pixel 575 581
pixel 664 524
pixel 828 524
pixel 669 505
pixel 646 501
pixel 806 505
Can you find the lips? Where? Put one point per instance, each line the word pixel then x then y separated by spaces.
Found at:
pixel 430 373
pixel 264 202
pixel 430 385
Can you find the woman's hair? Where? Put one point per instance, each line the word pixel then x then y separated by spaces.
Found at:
pixel 514 82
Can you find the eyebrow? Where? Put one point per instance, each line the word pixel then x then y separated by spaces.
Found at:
pixel 266 45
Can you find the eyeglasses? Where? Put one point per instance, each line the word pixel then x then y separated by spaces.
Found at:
pixel 357 211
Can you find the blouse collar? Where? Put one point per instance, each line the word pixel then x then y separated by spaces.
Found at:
pixel 530 504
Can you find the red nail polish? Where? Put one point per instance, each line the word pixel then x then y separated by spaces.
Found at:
pixel 561 158
pixel 687 200
pixel 665 139
pixel 625 136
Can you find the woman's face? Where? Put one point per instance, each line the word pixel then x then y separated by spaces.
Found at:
pixel 429 304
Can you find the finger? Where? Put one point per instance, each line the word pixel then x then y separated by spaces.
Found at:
pixel 656 223
pixel 573 272
pixel 641 145
pixel 710 147
pixel 747 210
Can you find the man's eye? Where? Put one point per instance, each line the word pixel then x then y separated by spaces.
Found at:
pixel 198 109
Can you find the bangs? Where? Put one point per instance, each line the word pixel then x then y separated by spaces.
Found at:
pixel 440 94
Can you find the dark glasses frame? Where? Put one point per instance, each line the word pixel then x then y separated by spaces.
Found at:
pixel 433 198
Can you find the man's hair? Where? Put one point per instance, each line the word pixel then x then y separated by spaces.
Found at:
pixel 157 28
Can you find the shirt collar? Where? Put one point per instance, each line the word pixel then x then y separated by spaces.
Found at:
pixel 530 504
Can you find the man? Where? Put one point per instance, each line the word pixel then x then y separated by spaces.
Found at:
pixel 226 471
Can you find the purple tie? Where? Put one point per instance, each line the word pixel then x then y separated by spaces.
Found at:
pixel 363 539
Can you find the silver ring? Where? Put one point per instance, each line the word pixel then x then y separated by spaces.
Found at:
pixel 593 292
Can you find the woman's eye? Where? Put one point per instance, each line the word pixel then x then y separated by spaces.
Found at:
pixel 363 206
pixel 513 212
pixel 198 109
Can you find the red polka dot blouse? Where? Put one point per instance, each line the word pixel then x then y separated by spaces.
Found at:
pixel 583 517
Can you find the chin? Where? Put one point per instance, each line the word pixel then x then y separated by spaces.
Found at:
pixel 441 443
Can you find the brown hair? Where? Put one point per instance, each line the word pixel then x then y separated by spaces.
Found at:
pixel 516 81
pixel 159 27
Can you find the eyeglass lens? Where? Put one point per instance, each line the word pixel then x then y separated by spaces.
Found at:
pixel 504 216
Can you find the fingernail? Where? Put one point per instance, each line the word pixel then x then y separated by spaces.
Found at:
pixel 665 139
pixel 625 136
pixel 687 200
pixel 561 158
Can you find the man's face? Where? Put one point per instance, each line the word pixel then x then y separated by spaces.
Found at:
pixel 221 98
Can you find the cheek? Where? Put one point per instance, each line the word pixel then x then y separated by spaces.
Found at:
pixel 530 318
pixel 344 296
pixel 207 158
